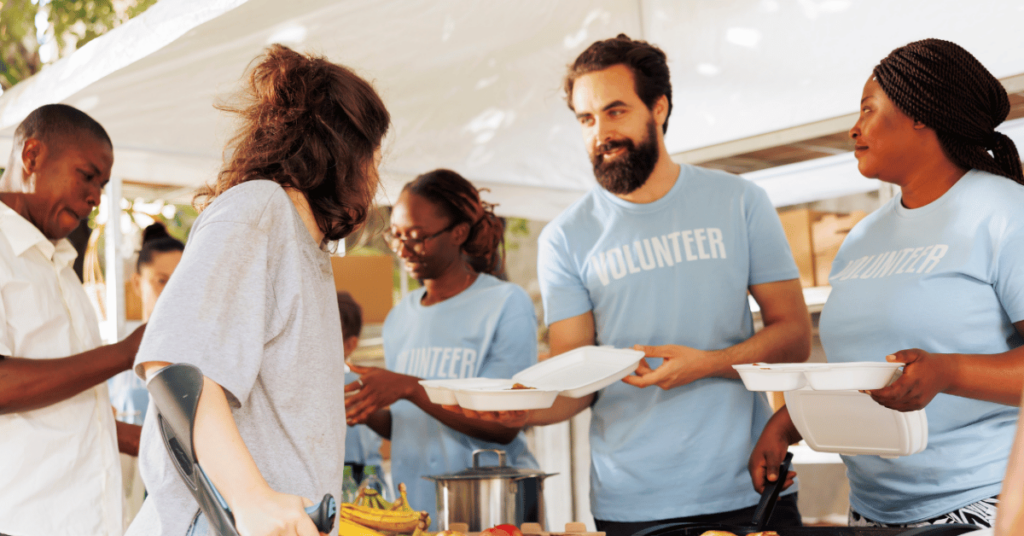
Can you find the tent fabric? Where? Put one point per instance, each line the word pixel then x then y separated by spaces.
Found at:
pixel 476 86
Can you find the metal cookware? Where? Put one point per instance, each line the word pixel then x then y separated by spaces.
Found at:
pixel 483 497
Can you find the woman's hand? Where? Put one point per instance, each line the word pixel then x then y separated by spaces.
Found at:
pixel 771 449
pixel 680 366
pixel 511 419
pixel 375 389
pixel 924 376
pixel 269 513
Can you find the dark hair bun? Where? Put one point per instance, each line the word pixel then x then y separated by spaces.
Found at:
pixel 155 231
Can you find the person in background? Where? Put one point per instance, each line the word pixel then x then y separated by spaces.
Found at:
pixel 252 303
pixel 933 279
pixel 362 445
pixel 59 472
pixel 158 257
pixel 463 323
pixel 664 254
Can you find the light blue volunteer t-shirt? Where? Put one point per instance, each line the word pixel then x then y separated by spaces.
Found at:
pixel 946 278
pixel 488 330
pixel 674 271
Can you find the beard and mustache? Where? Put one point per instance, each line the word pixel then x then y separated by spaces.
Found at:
pixel 629 172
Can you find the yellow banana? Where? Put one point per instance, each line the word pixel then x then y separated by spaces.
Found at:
pixel 401 504
pixel 384 520
pixel 348 528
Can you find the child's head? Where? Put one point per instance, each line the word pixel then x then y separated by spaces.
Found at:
pixel 351 321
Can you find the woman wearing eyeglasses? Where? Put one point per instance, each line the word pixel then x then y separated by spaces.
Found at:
pixel 462 323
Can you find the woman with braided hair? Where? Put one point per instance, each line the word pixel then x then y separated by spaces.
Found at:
pixel 462 323
pixel 933 279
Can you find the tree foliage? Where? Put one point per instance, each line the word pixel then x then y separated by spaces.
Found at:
pixel 69 24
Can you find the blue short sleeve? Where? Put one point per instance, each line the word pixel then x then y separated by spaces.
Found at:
pixel 770 257
pixel 1009 284
pixel 563 292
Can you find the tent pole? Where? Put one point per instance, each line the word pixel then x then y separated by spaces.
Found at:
pixel 114 324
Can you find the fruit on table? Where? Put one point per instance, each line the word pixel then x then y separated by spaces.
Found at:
pixel 449 533
pixel 502 530
pixel 348 528
pixel 385 520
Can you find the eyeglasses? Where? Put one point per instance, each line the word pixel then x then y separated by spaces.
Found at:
pixel 417 245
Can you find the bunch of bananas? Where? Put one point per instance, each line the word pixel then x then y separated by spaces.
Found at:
pixel 371 515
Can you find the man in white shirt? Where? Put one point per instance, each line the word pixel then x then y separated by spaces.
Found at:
pixel 59 468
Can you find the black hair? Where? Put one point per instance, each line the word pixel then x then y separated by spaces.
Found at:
pixel 53 124
pixel 156 239
pixel 351 315
pixel 460 201
pixel 647 62
pixel 943 86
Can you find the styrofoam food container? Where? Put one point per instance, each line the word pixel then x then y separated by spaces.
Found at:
pixel 851 423
pixel 574 374
pixel 772 376
pixel 443 391
pixel 581 371
pixel 507 399
pixel 842 376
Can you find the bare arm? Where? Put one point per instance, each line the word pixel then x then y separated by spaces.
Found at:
pixel 1010 515
pixel 128 438
pixel 257 508
pixel 380 422
pixel 380 388
pixel 786 337
pixel 27 384
pixel 993 377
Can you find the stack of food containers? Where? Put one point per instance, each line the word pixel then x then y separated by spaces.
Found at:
pixel 833 415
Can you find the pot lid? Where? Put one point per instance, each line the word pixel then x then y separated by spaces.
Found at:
pixel 501 470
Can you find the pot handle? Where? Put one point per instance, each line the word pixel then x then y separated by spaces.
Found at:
pixel 478 452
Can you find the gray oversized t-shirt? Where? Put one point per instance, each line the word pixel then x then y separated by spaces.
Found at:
pixel 253 305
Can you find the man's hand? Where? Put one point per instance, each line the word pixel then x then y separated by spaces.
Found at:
pixel 375 389
pixel 925 376
pixel 681 365
pixel 130 346
pixel 128 438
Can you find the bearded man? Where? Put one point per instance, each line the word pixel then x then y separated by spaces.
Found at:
pixel 663 255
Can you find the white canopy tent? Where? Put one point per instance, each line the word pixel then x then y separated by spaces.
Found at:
pixel 475 86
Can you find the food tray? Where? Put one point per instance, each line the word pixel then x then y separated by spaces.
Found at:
pixel 819 376
pixel 852 423
pixel 581 371
pixel 505 399
pixel 573 374
pixel 443 391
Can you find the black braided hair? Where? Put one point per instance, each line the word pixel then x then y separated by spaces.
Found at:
pixel 943 86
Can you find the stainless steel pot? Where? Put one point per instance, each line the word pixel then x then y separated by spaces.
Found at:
pixel 483 497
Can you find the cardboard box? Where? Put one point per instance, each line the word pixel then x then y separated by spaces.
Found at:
pixel 369 280
pixel 815 237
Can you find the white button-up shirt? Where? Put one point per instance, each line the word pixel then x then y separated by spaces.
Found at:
pixel 59 469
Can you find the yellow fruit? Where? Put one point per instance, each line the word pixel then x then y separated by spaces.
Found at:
pixel 348 528
pixel 384 520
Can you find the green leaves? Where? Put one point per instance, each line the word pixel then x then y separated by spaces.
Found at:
pixel 71 24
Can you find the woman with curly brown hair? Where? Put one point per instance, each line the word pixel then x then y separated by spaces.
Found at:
pixel 935 280
pixel 463 323
pixel 252 303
